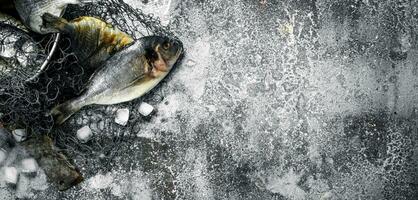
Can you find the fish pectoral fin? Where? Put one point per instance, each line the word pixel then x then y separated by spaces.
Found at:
pixel 139 80
pixel 50 21
pixel 94 57
pixel 143 73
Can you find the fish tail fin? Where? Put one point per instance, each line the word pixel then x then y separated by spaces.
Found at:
pixel 50 21
pixel 62 112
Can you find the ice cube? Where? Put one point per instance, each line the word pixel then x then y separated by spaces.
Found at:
pixel 191 63
pixel 3 155
pixel 84 134
pixel 19 135
pixel 29 165
pixel 10 175
pixel 327 195
pixel 122 116
pixel 145 109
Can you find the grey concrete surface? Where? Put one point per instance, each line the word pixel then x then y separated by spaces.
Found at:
pixel 312 99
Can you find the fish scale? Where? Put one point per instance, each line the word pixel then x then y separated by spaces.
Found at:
pixel 93 40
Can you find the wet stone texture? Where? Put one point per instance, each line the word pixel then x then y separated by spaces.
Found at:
pixel 313 99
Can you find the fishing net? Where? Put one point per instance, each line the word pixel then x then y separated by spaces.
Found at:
pixel 21 59
pixel 27 103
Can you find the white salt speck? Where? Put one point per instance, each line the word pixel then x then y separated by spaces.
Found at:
pixel 211 108
pixel 29 165
pixel 84 134
pixel 19 135
pixel 116 190
pixel 122 116
pixel 102 155
pixel 145 109
pixel 327 196
pixel 191 63
pixel 258 59
pixel 10 175
pixel 286 185
pixel 100 181
pixel 101 125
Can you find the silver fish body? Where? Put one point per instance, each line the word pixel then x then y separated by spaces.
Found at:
pixel 127 75
pixel 31 11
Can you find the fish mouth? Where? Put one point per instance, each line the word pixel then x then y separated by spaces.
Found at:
pixel 176 42
pixel 176 58
pixel 181 47
pixel 180 53
pixel 76 181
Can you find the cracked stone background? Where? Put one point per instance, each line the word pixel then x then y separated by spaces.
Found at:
pixel 312 99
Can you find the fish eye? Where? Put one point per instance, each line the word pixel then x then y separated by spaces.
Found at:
pixel 166 45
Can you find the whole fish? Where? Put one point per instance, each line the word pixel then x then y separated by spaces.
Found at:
pixel 21 55
pixel 92 39
pixel 127 75
pixel 31 11
pixel 56 166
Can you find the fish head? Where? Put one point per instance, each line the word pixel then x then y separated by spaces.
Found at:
pixel 65 175
pixel 165 52
pixel 69 178
pixel 58 169
pixel 170 50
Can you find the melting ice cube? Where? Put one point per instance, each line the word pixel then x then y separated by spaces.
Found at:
pixel 84 134
pixel 191 63
pixel 122 116
pixel 29 165
pixel 145 109
pixel 10 175
pixel 19 135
